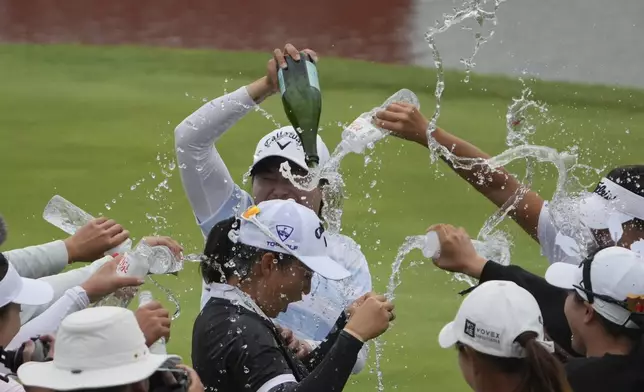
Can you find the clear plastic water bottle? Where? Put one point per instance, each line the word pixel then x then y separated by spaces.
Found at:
pixel 163 261
pixel 69 218
pixel 157 347
pixel 432 246
pixel 134 263
pixel 362 132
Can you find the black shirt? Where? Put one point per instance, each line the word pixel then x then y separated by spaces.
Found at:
pixel 236 349
pixel 614 373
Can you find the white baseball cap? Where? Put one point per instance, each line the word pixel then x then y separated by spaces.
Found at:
pixel 615 274
pixel 618 198
pixel 23 291
pixel 97 347
pixel 492 317
pixel 285 226
pixel 284 142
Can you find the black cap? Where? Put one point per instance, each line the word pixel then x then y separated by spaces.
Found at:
pixel 629 177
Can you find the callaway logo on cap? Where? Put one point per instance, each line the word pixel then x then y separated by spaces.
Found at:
pixel 285 143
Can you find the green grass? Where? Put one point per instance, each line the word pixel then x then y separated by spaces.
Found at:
pixel 88 123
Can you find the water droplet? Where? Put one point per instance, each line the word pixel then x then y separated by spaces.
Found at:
pixel 108 207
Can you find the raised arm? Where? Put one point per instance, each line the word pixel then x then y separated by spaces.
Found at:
pixel 498 186
pixel 206 180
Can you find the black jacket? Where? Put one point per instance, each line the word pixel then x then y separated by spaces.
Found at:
pixel 235 349
pixel 610 373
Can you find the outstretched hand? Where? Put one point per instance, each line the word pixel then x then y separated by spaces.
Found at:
pixel 405 121
pixel 457 252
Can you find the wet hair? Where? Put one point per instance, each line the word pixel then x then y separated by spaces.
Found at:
pixel 630 178
pixel 224 259
pixel 4 268
pixel 539 370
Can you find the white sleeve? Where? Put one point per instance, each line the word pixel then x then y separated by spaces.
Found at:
pixel 547 234
pixel 61 283
pixel 38 261
pixel 206 180
pixel 75 299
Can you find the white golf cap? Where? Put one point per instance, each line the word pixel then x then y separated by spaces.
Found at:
pixel 615 272
pixel 23 291
pixel 618 198
pixel 285 143
pixel 96 348
pixel 492 317
pixel 285 226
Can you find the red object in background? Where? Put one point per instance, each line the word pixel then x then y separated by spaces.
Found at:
pixel 374 30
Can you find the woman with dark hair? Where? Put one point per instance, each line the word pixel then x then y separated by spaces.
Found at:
pixel 498 332
pixel 594 311
pixel 256 266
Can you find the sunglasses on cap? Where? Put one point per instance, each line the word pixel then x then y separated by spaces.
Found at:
pixel 633 303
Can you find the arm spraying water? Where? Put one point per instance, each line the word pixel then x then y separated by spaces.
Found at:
pixel 497 185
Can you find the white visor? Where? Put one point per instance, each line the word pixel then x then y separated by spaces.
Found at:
pixel 23 291
pixel 610 202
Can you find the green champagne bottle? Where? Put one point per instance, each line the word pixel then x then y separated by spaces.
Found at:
pixel 302 101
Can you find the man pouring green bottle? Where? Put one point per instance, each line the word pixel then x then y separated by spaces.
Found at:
pixel 214 196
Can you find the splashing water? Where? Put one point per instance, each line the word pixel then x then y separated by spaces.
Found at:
pixel 360 135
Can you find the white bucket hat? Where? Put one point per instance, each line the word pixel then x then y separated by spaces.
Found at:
pixel 287 227
pixel 284 142
pixel 492 317
pixel 98 347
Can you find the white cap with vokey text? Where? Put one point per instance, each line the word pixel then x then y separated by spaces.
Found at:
pixel 492 317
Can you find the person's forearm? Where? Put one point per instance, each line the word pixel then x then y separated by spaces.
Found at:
pixel 260 89
pixel 480 177
pixel 75 299
pixel 333 372
pixel 498 185
pixel 206 180
pixel 61 283
pixel 38 261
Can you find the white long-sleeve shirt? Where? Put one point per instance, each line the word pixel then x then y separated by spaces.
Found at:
pixel 47 323
pixel 214 196
pixel 39 261
pixel 46 262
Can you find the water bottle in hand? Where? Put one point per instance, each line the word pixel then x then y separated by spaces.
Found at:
pixel 362 132
pixel 157 347
pixel 431 246
pixel 134 263
pixel 69 218
pixel 163 261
